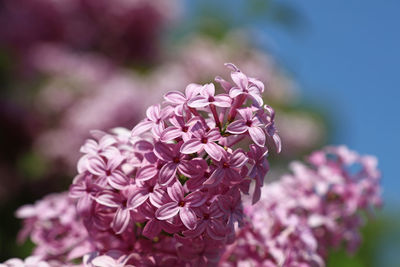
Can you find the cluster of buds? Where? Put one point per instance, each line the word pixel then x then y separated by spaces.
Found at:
pixel 304 214
pixel 171 189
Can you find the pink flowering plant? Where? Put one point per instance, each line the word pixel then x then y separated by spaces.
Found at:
pixel 300 217
pixel 184 187
pixel 172 187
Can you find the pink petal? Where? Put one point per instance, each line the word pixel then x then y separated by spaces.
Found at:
pixel 84 204
pixel 278 143
pixel 238 159
pixel 158 197
pixel 235 91
pixel 142 127
pixel 198 102
pixel 171 227
pixel 108 199
pixel 157 129
pixel 167 211
pixel 232 175
pixel 255 90
pixel 170 133
pixel 82 164
pixel 114 161
pixel 138 197
pixel 213 135
pixel 175 97
pixel 257 99
pixel 216 230
pixel 152 229
pixel 246 113
pixel 258 135
pixel 118 180
pixel 195 199
pixel 163 151
pixel 257 83
pixel 176 192
pixel 208 90
pixel 121 220
pixel 237 127
pixel 256 193
pixel 153 113
pixel 192 146
pixel 104 261
pixel 167 173
pixel 77 190
pixel 96 165
pixel 222 101
pixel 195 183
pixel 215 178
pixel 192 90
pixel 146 173
pixel 215 151
pixel 240 79
pixel 226 85
pixel 143 146
pixel 26 211
pixel 198 230
pixel 193 168
pixel 188 217
pixel 166 112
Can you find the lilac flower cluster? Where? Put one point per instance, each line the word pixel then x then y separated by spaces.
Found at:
pixel 176 180
pixel 53 225
pixel 170 191
pixel 303 215
pixel 297 220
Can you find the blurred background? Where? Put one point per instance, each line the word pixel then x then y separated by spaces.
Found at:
pixel 70 66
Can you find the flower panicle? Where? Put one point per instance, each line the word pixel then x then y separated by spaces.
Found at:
pixel 304 215
pixel 177 178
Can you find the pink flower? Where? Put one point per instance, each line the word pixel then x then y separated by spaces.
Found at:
pixel 174 161
pixel 204 140
pixel 108 170
pixel 250 124
pixel 180 101
pixel 305 214
pixel 55 228
pixel 154 226
pixel 228 169
pixel 31 261
pixel 112 258
pixel 259 170
pixel 210 221
pixel 246 86
pixel 176 179
pixel 122 215
pixel 154 122
pixel 84 190
pixel 147 190
pixel 179 129
pixel 181 204
pixel 207 97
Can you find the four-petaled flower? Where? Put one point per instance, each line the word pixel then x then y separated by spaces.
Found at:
pixel 181 204
pixel 203 140
pixel 228 169
pixel 249 123
pixel 246 86
pixel 207 97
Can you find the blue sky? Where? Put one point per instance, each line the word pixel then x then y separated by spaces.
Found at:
pixel 347 56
